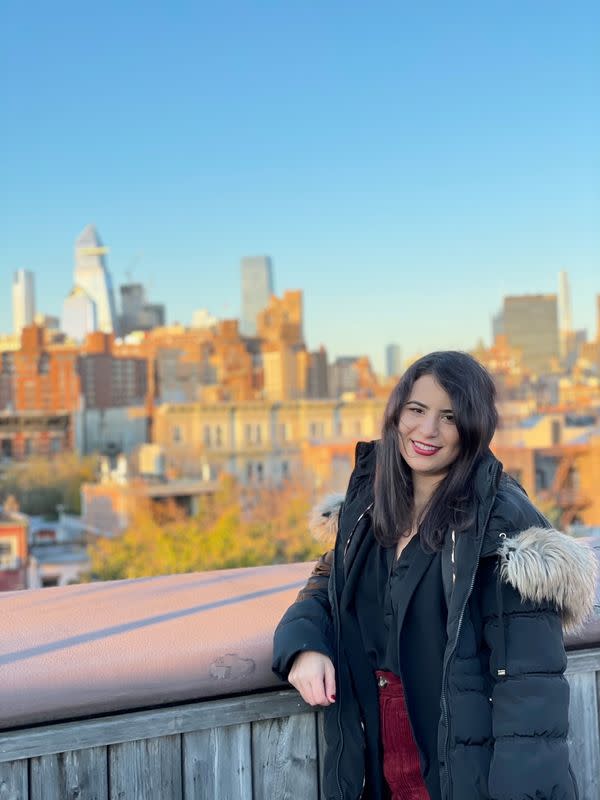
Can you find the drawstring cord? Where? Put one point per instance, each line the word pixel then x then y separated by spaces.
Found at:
pixel 501 671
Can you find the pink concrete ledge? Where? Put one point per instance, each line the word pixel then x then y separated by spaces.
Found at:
pixel 78 651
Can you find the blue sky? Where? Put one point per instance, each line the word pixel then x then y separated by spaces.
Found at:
pixel 406 165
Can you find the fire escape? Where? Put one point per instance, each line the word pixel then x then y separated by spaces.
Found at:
pixel 565 492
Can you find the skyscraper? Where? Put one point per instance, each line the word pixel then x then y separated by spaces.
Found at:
pixel 23 299
pixel 137 313
pixel 92 275
pixel 393 360
pixel 565 307
pixel 565 313
pixel 257 288
pixel 79 314
pixel 531 325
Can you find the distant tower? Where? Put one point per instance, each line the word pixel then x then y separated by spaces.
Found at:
pixel 92 275
pixel 565 312
pixel 393 361
pixel 23 298
pixel 257 288
pixel 531 326
pixel 79 314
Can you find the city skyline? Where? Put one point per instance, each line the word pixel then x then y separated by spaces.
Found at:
pixel 379 358
pixel 418 167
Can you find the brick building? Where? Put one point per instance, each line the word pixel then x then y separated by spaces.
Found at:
pixel 111 377
pixel 13 550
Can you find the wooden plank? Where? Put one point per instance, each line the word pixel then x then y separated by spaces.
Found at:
pixel 284 758
pixel 148 769
pixel 47 739
pixel 583 661
pixel 74 775
pixel 218 763
pixel 14 784
pixel 321 750
pixel 584 738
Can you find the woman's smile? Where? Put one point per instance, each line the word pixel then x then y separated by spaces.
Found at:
pixel 423 449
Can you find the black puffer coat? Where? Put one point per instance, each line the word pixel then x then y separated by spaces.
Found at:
pixel 511 585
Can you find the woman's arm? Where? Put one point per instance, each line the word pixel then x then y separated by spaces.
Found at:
pixel 306 625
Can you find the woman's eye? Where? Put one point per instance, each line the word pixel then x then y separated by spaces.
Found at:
pixel 448 417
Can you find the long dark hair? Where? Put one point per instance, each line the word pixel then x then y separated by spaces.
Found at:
pixel 473 395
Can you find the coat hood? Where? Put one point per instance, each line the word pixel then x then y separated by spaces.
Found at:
pixel 543 564
pixel 324 517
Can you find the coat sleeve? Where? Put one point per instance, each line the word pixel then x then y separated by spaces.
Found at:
pixel 307 624
pixel 529 693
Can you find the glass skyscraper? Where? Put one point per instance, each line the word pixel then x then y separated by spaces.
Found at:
pixel 257 288
pixel 92 275
pixel 23 297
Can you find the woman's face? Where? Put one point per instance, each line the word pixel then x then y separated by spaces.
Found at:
pixel 429 440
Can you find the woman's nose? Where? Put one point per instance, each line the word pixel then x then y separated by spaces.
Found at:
pixel 429 425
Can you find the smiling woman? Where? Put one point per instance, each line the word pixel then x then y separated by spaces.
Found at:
pixel 433 632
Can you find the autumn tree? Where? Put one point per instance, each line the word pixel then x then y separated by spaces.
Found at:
pixel 39 485
pixel 233 528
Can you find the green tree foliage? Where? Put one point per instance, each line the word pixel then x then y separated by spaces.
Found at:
pixel 40 484
pixel 233 528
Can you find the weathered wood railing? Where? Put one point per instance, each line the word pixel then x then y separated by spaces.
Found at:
pixel 211 721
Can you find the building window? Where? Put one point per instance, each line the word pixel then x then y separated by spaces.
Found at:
pixel 44 364
pixel 27 447
pixel 285 469
pixel 207 436
pixel 176 434
pixel 541 481
pixel 249 470
pixel 8 553
pixel 6 448
pixel 258 434
pixel 55 445
pixel 283 432
pixel 248 434
pixel 260 471
pixel 218 436
pixel 316 430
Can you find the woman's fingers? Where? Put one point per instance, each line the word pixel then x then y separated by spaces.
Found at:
pixel 313 675
pixel 330 681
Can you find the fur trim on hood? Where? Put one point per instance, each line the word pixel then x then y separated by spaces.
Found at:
pixel 323 519
pixel 543 564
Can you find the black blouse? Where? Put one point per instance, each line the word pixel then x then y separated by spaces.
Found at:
pixel 401 612
pixel 383 590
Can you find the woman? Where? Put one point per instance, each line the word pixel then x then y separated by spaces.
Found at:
pixel 432 633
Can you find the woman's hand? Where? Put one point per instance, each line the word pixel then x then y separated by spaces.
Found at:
pixel 313 675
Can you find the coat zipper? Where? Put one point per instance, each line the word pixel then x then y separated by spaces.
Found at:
pixel 444 700
pixel 349 539
pixel 338 650
pixel 575 787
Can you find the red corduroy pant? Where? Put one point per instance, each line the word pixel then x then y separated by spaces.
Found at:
pixel 401 767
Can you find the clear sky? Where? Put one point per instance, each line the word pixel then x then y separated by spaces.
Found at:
pixel 405 164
